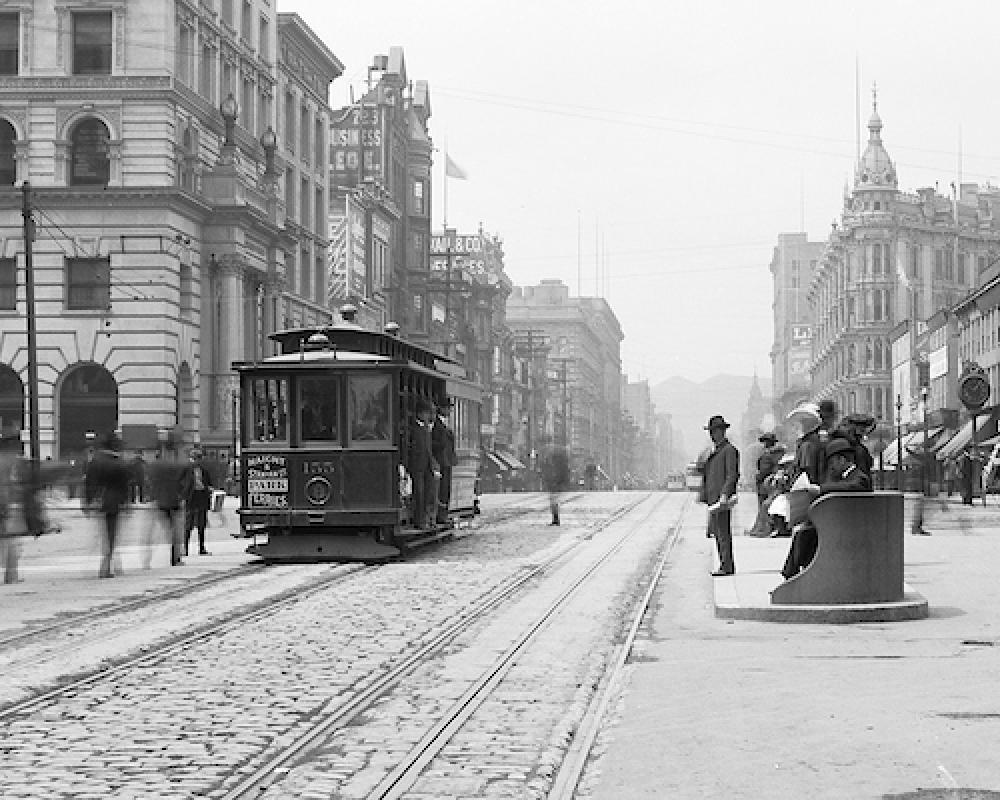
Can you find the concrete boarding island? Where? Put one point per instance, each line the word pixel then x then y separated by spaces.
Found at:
pixel 856 576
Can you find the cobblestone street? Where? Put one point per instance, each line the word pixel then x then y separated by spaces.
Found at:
pixel 188 724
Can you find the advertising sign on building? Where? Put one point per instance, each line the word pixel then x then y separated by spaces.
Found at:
pixel 356 141
pixel 348 237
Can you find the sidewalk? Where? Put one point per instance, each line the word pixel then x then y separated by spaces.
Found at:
pixel 59 571
pixel 750 709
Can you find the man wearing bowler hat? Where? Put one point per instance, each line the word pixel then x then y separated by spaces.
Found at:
pixel 722 473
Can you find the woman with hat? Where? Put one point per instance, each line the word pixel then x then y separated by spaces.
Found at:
pixel 767 463
pixel 722 473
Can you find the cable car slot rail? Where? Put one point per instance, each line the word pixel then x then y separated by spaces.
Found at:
pixel 176 644
pixel 399 781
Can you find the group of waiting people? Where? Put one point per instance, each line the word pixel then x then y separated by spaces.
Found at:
pixel 430 458
pixel 830 456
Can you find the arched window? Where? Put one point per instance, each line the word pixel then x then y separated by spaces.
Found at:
pixel 8 147
pixel 90 162
pixel 88 402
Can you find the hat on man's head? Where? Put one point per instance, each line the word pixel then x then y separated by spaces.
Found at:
pixel 865 421
pixel 838 445
pixel 767 438
pixel 717 421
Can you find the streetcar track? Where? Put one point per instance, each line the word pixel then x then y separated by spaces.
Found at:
pixel 153 653
pixel 578 753
pixel 330 720
pixel 124 606
pixel 114 607
pixel 403 777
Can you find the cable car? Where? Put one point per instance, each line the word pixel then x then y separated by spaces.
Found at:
pixel 325 431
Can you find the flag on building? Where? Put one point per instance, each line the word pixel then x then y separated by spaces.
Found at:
pixel 452 170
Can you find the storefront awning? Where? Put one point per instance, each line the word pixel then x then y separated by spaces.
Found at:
pixel 986 428
pixel 890 456
pixel 496 462
pixel 509 459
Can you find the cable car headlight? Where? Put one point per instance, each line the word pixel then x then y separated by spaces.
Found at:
pixel 318 490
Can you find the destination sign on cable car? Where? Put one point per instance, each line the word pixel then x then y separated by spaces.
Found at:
pixel 267 481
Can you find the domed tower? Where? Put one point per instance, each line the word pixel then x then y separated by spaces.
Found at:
pixel 875 181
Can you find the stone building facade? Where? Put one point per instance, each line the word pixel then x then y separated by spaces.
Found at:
pixel 793 263
pixel 584 339
pixel 161 251
pixel 891 257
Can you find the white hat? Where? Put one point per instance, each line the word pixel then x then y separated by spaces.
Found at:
pixel 807 415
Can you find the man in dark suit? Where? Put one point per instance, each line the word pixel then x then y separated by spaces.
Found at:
pixel 722 473
pixel 197 491
pixel 443 450
pixel 421 464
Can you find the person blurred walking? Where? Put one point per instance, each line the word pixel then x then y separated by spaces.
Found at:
pixel 107 489
pixel 167 487
pixel 197 492
pixel 10 545
pixel 555 476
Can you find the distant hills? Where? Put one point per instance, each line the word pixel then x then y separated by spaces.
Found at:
pixel 690 404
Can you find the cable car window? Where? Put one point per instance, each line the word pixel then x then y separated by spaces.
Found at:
pixel 270 409
pixel 369 408
pixel 319 401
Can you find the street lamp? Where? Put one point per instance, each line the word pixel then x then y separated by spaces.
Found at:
pixel 229 109
pixel 924 393
pixel 899 442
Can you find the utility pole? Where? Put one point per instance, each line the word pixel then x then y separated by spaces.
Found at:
pixel 29 298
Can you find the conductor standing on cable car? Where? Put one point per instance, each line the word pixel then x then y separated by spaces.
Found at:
pixel 443 450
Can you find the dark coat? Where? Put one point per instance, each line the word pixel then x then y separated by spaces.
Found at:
pixel 810 457
pixel 862 457
pixel 722 472
pixel 555 471
pixel 852 479
pixel 767 463
pixel 419 458
pixel 443 443
pixel 197 500
pixel 107 481
pixel 167 484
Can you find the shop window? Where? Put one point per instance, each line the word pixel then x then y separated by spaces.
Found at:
pixel 88 284
pixel 90 163
pixel 92 43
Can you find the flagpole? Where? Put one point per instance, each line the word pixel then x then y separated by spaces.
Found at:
pixel 446 184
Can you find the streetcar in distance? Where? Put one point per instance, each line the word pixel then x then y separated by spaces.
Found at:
pixel 324 434
pixel 693 476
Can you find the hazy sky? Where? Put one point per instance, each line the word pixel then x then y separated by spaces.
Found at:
pixel 678 138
